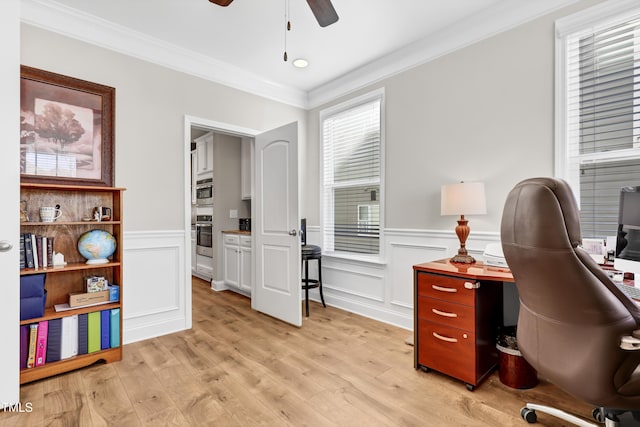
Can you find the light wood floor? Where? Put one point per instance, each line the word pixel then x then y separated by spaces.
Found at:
pixel 237 367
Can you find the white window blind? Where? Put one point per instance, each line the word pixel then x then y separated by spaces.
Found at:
pixel 351 165
pixel 602 144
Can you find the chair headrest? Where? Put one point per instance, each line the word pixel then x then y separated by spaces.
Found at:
pixel 541 212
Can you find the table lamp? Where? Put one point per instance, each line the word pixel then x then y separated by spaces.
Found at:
pixel 464 198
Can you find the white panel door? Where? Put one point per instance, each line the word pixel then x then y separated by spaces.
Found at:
pixel 10 178
pixel 276 223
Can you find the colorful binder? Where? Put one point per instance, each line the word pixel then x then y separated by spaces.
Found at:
pixel 83 332
pixel 69 346
pixel 105 337
pixel 24 345
pixel 33 337
pixel 41 345
pixel 115 328
pixel 93 337
pixel 54 341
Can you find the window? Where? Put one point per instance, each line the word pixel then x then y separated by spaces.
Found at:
pixel 598 112
pixel 352 147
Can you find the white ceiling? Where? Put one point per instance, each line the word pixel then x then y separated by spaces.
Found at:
pixel 242 45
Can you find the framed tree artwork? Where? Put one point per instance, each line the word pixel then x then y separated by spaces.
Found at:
pixel 66 129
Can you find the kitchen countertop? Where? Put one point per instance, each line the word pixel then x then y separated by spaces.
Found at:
pixel 242 232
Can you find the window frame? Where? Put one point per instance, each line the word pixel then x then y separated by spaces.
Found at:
pixel 588 20
pixel 378 94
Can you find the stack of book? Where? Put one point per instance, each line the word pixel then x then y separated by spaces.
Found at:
pixel 56 339
pixel 35 251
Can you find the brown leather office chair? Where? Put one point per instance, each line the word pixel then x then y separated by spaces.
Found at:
pixel 573 322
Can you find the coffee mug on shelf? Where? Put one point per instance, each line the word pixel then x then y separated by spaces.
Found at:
pixel 49 213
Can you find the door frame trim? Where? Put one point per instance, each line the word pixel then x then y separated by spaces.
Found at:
pixel 218 127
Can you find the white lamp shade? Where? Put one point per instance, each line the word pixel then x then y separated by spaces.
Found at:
pixel 464 198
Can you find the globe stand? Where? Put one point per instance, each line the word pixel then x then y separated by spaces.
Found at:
pixel 97 261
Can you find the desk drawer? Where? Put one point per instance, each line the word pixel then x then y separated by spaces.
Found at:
pixel 448 350
pixel 447 313
pixel 446 288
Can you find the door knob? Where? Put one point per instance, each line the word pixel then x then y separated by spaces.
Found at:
pixel 293 232
pixel 5 246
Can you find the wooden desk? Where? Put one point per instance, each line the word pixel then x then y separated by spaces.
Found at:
pixel 457 313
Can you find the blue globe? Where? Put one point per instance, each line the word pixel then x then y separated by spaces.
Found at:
pixel 96 246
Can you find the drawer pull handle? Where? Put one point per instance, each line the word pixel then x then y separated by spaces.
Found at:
pixel 471 285
pixel 443 289
pixel 443 313
pixel 447 339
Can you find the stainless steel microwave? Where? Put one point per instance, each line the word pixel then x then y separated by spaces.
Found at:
pixel 204 192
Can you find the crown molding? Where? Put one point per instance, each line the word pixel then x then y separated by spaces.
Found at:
pixel 503 16
pixel 61 19
pixel 598 14
pixel 58 18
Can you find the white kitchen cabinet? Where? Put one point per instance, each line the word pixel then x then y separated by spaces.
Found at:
pixel 237 262
pixel 245 264
pixel 204 154
pixel 246 168
pixel 231 264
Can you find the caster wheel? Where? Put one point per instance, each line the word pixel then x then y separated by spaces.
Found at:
pixel 598 414
pixel 470 387
pixel 529 415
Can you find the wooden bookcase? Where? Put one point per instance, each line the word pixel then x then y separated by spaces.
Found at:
pixel 77 202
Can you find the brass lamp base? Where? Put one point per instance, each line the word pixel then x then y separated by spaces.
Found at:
pixel 462 230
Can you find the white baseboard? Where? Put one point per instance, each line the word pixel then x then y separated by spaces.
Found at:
pixel 219 285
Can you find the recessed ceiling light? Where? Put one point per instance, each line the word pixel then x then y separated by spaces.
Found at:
pixel 300 63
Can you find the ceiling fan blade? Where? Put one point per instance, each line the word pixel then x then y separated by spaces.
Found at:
pixel 323 11
pixel 221 2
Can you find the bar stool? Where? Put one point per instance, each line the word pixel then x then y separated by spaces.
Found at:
pixel 310 253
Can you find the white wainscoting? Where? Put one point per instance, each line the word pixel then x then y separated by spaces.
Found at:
pixel 156 299
pixel 384 291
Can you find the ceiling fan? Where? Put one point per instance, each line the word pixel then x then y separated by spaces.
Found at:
pixel 322 9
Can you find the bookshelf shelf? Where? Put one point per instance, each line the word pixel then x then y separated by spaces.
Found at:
pixel 61 223
pixel 76 202
pixel 69 267
pixel 51 313
pixel 75 362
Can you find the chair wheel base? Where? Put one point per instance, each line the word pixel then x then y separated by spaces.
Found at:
pixel 598 415
pixel 529 415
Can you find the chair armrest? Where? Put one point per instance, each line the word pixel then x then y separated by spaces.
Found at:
pixel 631 342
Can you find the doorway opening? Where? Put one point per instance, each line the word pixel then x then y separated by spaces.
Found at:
pixel 214 166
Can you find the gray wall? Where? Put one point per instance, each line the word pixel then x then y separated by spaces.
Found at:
pixel 226 187
pixel 485 112
pixel 151 102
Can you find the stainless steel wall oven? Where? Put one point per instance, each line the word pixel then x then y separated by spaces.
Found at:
pixel 204 235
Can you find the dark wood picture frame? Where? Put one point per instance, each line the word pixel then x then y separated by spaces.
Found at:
pixel 66 129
